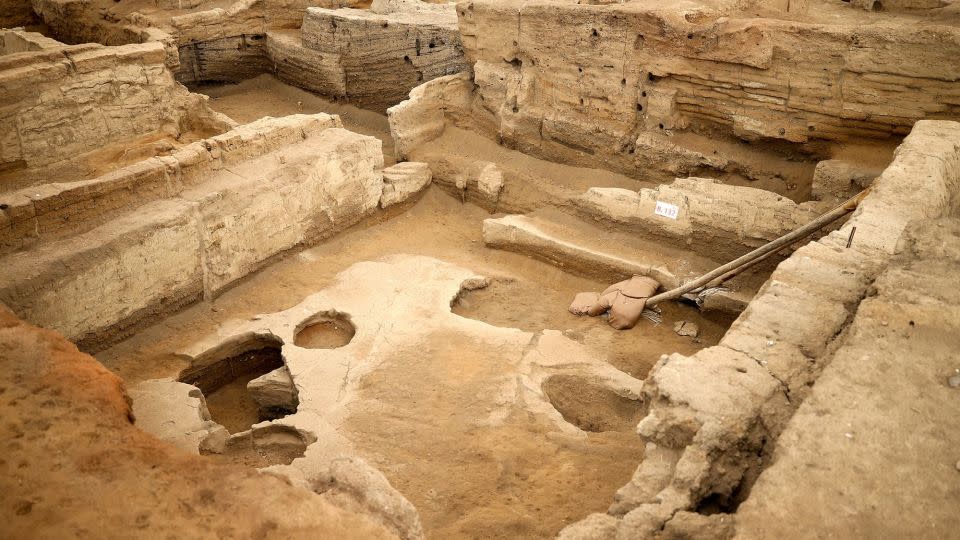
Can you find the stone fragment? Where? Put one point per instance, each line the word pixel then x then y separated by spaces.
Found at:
pixel 686 328
pixel 352 484
pixel 490 182
pixel 404 180
pixel 274 393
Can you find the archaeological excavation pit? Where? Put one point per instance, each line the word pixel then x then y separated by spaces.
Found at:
pixel 243 382
pixel 484 269
pixel 328 330
pixel 590 406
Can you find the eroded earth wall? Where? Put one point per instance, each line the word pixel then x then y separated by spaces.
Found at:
pixel 875 443
pixel 15 13
pixel 570 81
pixel 713 415
pixel 381 57
pixel 151 238
pixel 74 22
pixel 60 103
pixel 18 40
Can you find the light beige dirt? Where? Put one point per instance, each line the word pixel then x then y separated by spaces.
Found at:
pixel 512 481
pixel 519 479
pixel 527 305
pixel 232 406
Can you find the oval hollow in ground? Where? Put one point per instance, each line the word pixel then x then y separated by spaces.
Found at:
pixel 590 406
pixel 325 330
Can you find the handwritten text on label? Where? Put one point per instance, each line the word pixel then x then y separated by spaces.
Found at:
pixel 666 210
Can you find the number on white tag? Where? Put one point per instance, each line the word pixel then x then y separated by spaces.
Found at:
pixel 666 210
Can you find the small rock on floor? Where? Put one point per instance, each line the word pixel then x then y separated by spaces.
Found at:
pixel 686 328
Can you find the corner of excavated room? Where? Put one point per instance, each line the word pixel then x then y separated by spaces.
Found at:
pixel 487 269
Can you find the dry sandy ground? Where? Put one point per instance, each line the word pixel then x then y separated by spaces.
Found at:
pixel 518 480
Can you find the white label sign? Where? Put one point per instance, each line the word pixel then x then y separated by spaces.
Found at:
pixel 666 210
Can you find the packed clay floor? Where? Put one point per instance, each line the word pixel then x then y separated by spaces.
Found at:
pixel 520 478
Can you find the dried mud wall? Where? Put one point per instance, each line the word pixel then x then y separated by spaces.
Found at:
pixel 60 210
pixel 304 67
pixel 17 41
pixel 60 103
pixel 246 17
pixel 431 107
pixel 371 59
pixel 713 218
pixel 151 238
pixel 582 82
pixel 230 44
pixel 15 13
pixel 63 405
pixel 714 416
pixel 381 57
pixel 76 22
pixel 228 59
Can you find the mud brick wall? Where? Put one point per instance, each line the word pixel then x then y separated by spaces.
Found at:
pixel 64 102
pixel 572 81
pixel 383 57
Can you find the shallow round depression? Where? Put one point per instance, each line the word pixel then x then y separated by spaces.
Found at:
pixel 590 406
pixel 327 330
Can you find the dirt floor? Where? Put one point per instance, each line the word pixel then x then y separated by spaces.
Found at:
pixel 418 419
pixel 524 304
pixel 519 480
pixel 231 404
pixel 265 95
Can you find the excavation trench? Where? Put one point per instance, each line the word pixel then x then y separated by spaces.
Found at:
pixel 264 262
pixel 538 438
pixel 225 377
pixel 535 408
pixel 447 400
